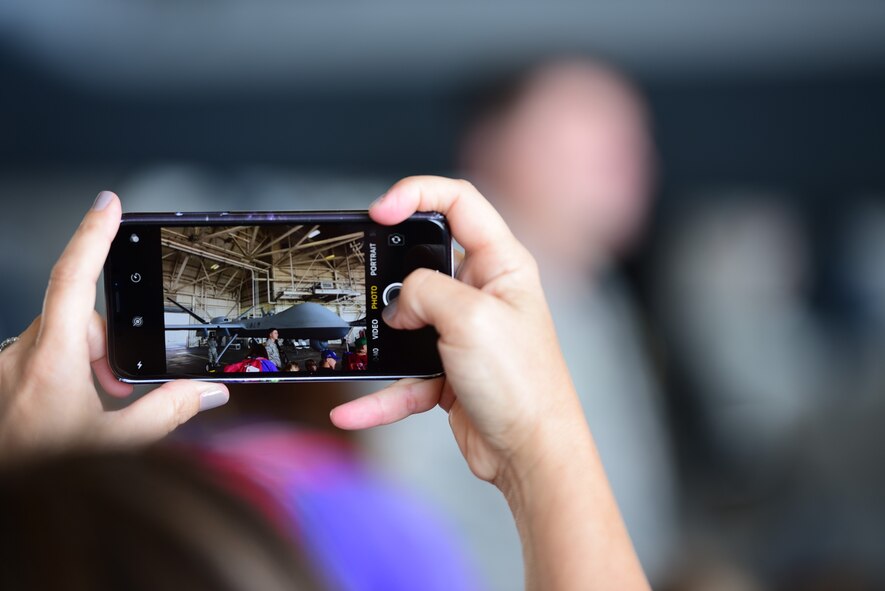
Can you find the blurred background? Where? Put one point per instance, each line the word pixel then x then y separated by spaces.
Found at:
pixel 703 186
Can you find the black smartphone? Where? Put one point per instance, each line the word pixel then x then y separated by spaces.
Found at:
pixel 267 296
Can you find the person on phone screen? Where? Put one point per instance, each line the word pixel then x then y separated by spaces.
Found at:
pixel 329 360
pixel 212 344
pixel 357 360
pixel 256 361
pixel 273 347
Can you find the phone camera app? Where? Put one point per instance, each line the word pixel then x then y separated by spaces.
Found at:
pixel 396 239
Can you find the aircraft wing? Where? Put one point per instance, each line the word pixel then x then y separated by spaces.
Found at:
pixel 208 326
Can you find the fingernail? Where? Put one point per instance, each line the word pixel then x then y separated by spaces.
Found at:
pixel 213 399
pixel 102 201
pixel 389 312
pixel 378 200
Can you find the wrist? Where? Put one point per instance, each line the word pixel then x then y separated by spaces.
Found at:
pixel 566 515
pixel 554 451
pixel 553 432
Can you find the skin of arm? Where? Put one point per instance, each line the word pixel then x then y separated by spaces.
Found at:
pixel 515 416
pixel 572 533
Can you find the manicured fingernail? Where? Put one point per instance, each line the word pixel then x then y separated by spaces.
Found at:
pixel 378 200
pixel 213 399
pixel 102 201
pixel 389 312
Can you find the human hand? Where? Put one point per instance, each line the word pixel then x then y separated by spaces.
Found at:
pixel 506 388
pixel 48 399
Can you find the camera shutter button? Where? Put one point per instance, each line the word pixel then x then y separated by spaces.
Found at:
pixel 391 292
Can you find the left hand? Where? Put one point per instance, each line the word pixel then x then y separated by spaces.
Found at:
pixel 48 399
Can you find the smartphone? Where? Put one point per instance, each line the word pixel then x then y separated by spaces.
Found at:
pixel 267 296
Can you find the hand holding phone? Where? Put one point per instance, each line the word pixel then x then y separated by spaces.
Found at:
pixel 511 404
pixel 503 367
pixel 48 400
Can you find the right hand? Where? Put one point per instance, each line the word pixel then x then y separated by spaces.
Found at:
pixel 506 388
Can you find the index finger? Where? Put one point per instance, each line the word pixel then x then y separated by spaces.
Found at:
pixel 475 224
pixel 70 295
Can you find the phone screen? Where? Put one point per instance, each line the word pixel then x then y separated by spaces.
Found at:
pixel 267 296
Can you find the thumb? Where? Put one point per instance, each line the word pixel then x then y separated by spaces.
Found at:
pixel 160 411
pixel 429 297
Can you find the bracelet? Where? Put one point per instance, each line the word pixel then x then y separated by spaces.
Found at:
pixel 8 342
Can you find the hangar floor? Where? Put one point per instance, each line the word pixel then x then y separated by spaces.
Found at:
pixel 193 360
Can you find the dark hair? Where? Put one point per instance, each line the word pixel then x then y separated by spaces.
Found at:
pixel 149 520
pixel 256 349
pixel 494 95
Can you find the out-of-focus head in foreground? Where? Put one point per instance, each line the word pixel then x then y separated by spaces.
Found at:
pixel 136 521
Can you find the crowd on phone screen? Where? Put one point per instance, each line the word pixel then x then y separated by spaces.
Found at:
pixel 270 356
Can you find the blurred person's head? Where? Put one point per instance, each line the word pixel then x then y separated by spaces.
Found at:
pixel 740 248
pixel 730 287
pixel 310 365
pixel 565 153
pixel 293 366
pixel 256 349
pixel 149 520
pixel 274 334
pixel 361 347
pixel 329 359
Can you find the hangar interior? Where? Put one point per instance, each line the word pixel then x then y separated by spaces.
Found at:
pixel 252 271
